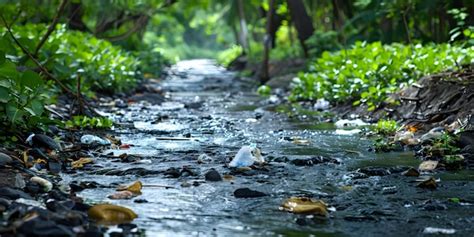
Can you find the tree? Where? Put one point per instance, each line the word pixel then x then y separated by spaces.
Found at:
pixel 302 22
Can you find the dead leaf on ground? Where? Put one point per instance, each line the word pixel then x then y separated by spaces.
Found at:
pixel 304 205
pixel 111 214
pixel 81 162
pixel 135 188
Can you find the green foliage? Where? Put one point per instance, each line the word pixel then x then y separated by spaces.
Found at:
pixel 322 41
pixel 227 56
pixel 82 122
pixel 69 54
pixel 22 96
pixel 386 127
pixel 461 29
pixel 264 90
pixel 151 62
pixel 444 146
pixel 368 73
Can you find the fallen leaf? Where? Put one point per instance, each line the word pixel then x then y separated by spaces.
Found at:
pixel 81 162
pixel 122 195
pixel 428 165
pixel 303 205
pixel 135 188
pixel 227 177
pixel 111 214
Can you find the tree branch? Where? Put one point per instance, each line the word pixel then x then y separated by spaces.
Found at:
pixel 51 27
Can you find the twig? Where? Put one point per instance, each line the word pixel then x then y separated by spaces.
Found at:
pixel 51 27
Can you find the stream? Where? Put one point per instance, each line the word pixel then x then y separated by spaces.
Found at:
pixel 216 113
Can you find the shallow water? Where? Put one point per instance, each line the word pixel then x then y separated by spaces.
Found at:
pixel 230 117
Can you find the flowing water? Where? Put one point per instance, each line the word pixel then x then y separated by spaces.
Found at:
pixel 220 113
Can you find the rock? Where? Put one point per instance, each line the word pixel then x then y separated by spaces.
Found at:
pixel 321 104
pixel 91 140
pixel 43 227
pixel 411 172
pixel 19 181
pixel 140 200
pixel 138 171
pixel 121 195
pixel 245 158
pixel 432 135
pixel 172 172
pixel 313 161
pixel 466 138
pixel 135 187
pixel 375 171
pixel 428 165
pixel 248 193
pixel 5 159
pixel 46 185
pixel 12 194
pixel 428 183
pixel 43 141
pixel 213 176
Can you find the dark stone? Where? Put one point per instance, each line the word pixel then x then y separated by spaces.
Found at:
pixel 33 188
pixel 54 166
pixel 59 206
pixel 44 141
pixel 248 193
pixel 466 138
pixel 140 200
pixel 12 194
pixel 375 171
pixel 213 176
pixel 5 159
pixel 44 227
pixel 313 161
pixel 131 171
pixel 172 172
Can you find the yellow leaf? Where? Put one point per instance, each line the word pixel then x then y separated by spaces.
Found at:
pixel 135 188
pixel 111 214
pixel 81 162
pixel 303 205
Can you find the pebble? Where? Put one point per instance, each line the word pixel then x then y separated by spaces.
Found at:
pixel 248 193
pixel 5 159
pixel 213 176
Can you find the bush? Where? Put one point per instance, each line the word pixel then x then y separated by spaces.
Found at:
pixel 368 73
pixel 67 54
pixel 226 57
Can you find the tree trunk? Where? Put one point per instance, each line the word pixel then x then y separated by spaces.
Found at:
pixel 243 36
pixel 302 22
pixel 75 13
pixel 267 41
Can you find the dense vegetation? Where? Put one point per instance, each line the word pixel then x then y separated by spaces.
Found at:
pixel 358 51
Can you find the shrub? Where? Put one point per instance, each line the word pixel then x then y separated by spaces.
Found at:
pixel 368 73
pixel 229 55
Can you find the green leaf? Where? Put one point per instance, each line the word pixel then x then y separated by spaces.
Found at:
pixel 14 114
pixel 37 107
pixel 4 95
pixel 2 57
pixel 8 70
pixel 31 79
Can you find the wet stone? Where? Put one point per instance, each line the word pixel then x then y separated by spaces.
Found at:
pixel 131 171
pixel 375 171
pixel 248 193
pixel 314 161
pixel 5 159
pixel 140 200
pixel 12 194
pixel 213 176
pixel 411 172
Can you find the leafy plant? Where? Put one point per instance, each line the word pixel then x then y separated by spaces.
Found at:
pixel 70 54
pixel 89 122
pixel 229 55
pixel 322 41
pixel 264 90
pixel 22 96
pixel 386 127
pixel 368 73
